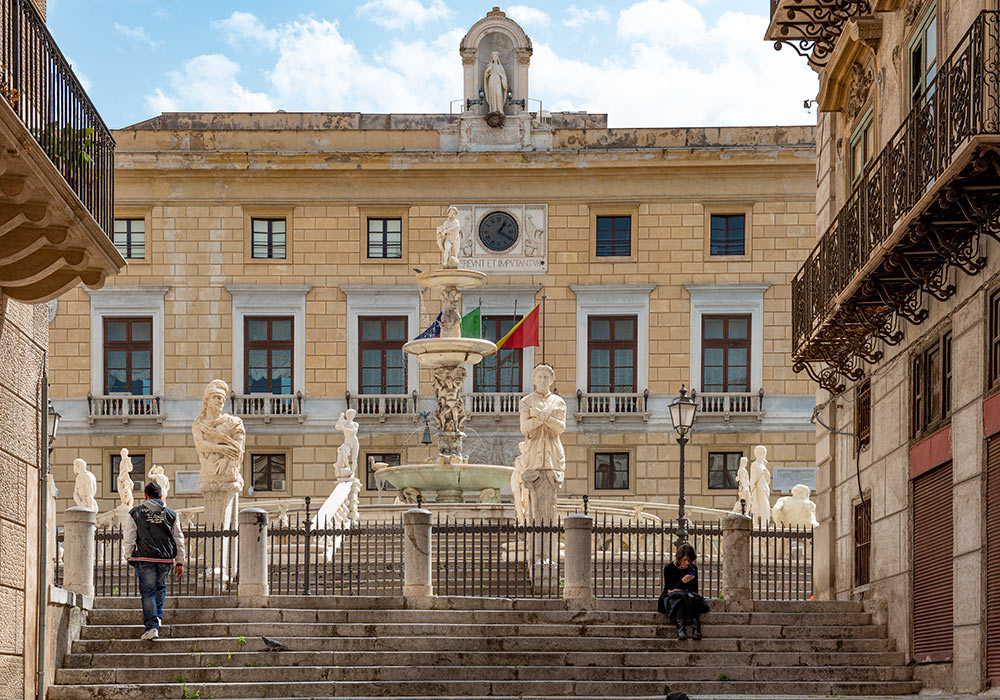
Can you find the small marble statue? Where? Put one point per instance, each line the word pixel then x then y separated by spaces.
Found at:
pixel 795 510
pixel 85 489
pixel 347 453
pixel 543 459
pixel 760 488
pixel 519 494
pixel 495 84
pixel 156 475
pixel 125 485
pixel 742 506
pixel 449 239
pixel 219 439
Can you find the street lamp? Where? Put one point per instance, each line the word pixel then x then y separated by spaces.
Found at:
pixel 682 412
pixel 52 424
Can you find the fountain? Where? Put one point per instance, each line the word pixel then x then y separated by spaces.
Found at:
pixel 447 356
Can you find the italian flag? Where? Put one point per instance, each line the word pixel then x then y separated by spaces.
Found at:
pixel 524 334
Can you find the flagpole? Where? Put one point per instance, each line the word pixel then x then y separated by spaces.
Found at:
pixel 542 310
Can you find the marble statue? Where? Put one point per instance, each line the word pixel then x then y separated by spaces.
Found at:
pixel 795 510
pixel 450 414
pixel 156 475
pixel 219 439
pixel 449 239
pixel 85 489
pixel 495 84
pixel 543 459
pixel 760 488
pixel 347 454
pixel 125 485
pixel 742 506
pixel 519 494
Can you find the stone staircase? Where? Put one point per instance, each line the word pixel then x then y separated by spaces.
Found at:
pixel 354 647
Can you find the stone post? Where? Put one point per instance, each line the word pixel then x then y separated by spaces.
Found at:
pixel 579 540
pixel 253 543
pixel 79 550
pixel 736 562
pixel 417 554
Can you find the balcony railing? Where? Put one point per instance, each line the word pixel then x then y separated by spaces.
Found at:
pixel 496 404
pixel 612 406
pixel 728 405
pixel 37 82
pixel 268 406
pixel 877 221
pixel 384 405
pixel 124 407
pixel 812 27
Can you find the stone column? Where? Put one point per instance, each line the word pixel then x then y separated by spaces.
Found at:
pixel 578 589
pixel 79 550
pixel 417 554
pixel 253 542
pixel 736 562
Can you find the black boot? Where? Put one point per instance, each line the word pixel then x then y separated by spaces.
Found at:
pixel 681 634
pixel 696 628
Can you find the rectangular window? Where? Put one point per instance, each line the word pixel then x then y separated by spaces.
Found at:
pixel 268 472
pixel 614 236
pixel 390 458
pixel 725 348
pixel 930 387
pixel 862 148
pixel 138 470
pixel 130 238
pixel 863 412
pixel 380 347
pixel 385 238
pixel 269 348
pixel 994 340
pixel 722 468
pixel 611 471
pixel 128 356
pixel 728 233
pixel 268 238
pixel 500 372
pixel 923 59
pixel 862 543
pixel 611 351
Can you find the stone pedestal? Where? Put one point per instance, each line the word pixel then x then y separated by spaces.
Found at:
pixel 577 589
pixel 736 562
pixel 78 550
pixel 220 507
pixel 417 555
pixel 253 542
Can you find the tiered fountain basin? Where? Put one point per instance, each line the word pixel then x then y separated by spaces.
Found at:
pixel 448 481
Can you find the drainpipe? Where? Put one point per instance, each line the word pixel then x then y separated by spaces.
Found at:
pixel 43 535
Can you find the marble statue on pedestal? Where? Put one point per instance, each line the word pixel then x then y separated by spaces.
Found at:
pixel 219 439
pixel 347 454
pixel 542 460
pixel 495 84
pixel 450 414
pixel 742 506
pixel 760 488
pixel 157 476
pixel 795 510
pixel 449 239
pixel 517 492
pixel 125 485
pixel 85 489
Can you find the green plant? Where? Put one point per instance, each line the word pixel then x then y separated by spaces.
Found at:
pixel 66 145
pixel 188 694
pixel 241 641
pixel 194 650
pixel 115 591
pixel 723 677
pixel 179 679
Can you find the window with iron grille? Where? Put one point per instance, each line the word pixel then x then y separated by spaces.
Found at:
pixel 130 238
pixel 501 371
pixel 611 470
pixel 728 233
pixel 725 348
pixel 994 340
pixel 269 349
pixel 385 238
pixel 138 472
pixel 381 358
pixel 390 458
pixel 128 356
pixel 268 238
pixel 930 387
pixel 267 471
pixel 722 469
pixel 863 412
pixel 862 543
pixel 614 236
pixel 611 353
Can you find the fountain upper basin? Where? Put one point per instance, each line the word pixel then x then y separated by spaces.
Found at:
pixel 450 352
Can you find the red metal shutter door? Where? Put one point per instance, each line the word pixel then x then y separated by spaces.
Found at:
pixel 993 561
pixel 933 566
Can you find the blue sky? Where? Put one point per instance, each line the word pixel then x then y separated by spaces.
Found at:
pixel 645 63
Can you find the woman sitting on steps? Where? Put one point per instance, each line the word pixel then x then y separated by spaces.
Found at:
pixel 680 600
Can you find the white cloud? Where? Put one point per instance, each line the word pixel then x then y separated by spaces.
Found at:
pixel 663 22
pixel 85 82
pixel 208 83
pixel 136 35
pixel 577 17
pixel 399 14
pixel 244 28
pixel 528 16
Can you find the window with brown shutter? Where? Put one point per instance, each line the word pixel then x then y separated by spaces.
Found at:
pixel 862 543
pixel 993 561
pixel 128 356
pixel 725 353
pixel 933 566
pixel 611 352
pixel 930 387
pixel 380 354
pixel 863 412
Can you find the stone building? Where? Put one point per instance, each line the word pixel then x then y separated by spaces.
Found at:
pixel 278 252
pixel 896 313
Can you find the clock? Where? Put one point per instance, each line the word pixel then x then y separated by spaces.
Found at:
pixel 498 231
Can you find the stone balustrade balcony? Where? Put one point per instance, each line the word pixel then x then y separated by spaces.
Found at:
pixel 729 405
pixel 124 407
pixel 268 406
pixel 493 403
pixel 612 406
pixel 384 406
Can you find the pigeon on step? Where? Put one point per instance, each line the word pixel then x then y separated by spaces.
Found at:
pixel 274 644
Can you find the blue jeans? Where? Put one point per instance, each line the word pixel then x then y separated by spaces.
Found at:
pixel 153 590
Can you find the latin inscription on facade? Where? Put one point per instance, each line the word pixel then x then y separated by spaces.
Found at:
pixel 528 254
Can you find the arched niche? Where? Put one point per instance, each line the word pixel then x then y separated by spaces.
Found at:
pixel 496 32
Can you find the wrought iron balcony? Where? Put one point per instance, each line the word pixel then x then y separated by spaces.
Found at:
pixel 384 405
pixel 124 407
pixel 919 210
pixel 812 27
pixel 612 406
pixel 267 406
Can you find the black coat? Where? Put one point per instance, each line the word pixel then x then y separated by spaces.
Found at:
pixel 686 602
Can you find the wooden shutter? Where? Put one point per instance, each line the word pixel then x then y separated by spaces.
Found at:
pixel 933 566
pixel 993 561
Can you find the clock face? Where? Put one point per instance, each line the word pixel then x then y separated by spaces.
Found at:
pixel 498 231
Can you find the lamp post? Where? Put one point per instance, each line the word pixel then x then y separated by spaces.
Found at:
pixel 52 424
pixel 682 412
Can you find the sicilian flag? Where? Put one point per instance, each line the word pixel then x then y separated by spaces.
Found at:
pixel 433 330
pixel 524 334
pixel 472 324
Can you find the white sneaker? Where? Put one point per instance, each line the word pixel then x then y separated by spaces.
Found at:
pixel 151 633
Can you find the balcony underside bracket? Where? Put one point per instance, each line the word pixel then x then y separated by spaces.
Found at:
pixel 811 27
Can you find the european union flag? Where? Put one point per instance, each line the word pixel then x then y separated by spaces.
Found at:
pixel 433 330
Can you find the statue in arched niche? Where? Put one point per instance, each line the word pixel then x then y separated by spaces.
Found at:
pixel 495 84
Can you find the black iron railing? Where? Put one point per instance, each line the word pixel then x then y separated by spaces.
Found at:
pixel 781 563
pixel 961 102
pixel 38 83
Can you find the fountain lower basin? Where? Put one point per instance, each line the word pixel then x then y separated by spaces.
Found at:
pixel 448 481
